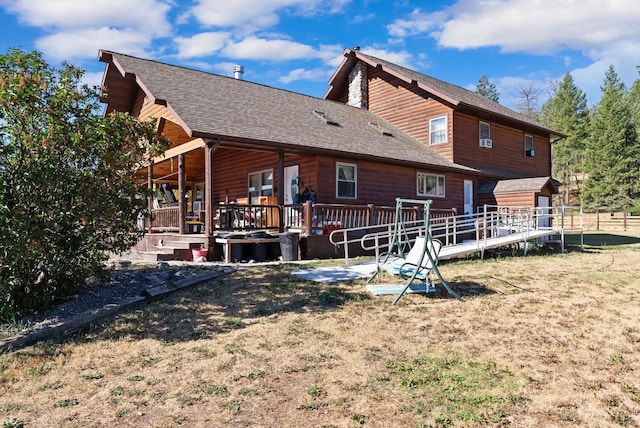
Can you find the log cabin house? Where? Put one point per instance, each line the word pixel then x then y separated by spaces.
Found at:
pixel 242 154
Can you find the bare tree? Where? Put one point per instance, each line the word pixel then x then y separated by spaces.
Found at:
pixel 529 99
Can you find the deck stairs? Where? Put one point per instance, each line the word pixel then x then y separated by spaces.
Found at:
pixel 167 247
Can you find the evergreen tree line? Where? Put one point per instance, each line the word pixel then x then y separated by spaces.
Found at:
pixel 598 163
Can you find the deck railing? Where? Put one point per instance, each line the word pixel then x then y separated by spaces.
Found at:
pixel 165 219
pixel 247 217
pixel 306 218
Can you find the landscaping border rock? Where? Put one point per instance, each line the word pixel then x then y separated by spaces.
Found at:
pixel 82 321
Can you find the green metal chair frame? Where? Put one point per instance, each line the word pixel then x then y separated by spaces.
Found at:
pixel 397 247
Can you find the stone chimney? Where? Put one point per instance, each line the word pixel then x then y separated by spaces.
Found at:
pixel 238 71
pixel 358 86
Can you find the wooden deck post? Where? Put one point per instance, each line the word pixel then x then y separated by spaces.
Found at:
pixel 150 198
pixel 208 188
pixel 182 213
pixel 280 191
pixel 308 220
pixel 371 209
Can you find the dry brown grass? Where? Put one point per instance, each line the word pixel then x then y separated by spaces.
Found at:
pixel 559 332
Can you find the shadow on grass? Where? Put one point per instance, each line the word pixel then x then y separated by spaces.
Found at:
pixel 601 240
pixel 243 298
pixel 230 303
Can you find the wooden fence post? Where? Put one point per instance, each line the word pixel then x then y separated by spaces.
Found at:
pixel 597 219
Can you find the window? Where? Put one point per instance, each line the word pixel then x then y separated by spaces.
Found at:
pixel 430 185
pixel 260 184
pixel 528 146
pixel 485 130
pixel 438 130
pixel 346 179
pixel 485 135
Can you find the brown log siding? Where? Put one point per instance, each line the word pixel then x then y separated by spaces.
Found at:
pixel 507 153
pixel 319 174
pixel 408 107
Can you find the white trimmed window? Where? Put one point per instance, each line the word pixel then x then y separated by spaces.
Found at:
pixel 346 180
pixel 485 131
pixel 438 130
pixel 528 146
pixel 260 183
pixel 430 185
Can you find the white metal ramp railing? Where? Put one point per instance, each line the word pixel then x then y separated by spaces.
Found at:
pixel 492 227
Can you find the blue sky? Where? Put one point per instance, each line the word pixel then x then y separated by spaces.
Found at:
pixel 297 44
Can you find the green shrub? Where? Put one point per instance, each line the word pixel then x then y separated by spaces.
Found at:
pixel 68 194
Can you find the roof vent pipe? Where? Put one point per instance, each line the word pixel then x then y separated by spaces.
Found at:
pixel 238 71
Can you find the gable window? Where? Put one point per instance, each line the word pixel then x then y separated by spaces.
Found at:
pixel 346 180
pixel 430 185
pixel 438 130
pixel 528 146
pixel 260 184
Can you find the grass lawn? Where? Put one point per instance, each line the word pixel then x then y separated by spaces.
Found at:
pixel 546 340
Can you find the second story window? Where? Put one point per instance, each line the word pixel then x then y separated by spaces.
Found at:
pixel 485 135
pixel 528 146
pixel 438 130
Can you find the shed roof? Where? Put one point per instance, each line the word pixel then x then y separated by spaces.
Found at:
pixel 211 106
pixel 534 184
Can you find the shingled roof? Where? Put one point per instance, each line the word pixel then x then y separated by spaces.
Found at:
pixel 518 185
pixel 459 98
pixel 211 106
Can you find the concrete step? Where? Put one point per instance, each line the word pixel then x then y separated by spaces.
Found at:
pixel 183 245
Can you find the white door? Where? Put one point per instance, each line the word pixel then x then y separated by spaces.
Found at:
pixel 290 183
pixel 544 219
pixel 468 197
pixel 291 216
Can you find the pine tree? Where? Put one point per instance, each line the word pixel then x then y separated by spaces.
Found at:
pixel 566 112
pixel 612 149
pixel 487 89
pixel 634 108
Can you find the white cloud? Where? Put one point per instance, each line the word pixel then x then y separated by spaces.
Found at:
pixel 147 15
pixel 258 14
pixel 357 19
pixel 224 68
pixel 76 44
pixel 331 54
pixel 202 44
pixel 78 28
pixel 416 23
pixel 271 50
pixel 541 26
pixel 93 79
pixel 316 74
pixel 623 56
pixel 603 33
pixel 402 58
